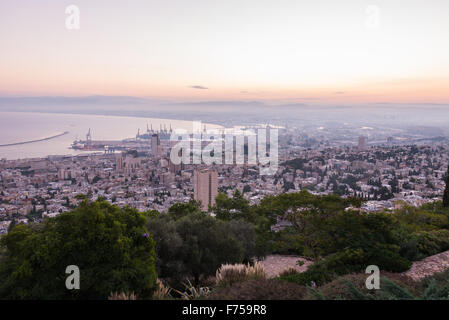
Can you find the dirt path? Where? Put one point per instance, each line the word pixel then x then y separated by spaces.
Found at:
pixel 275 264
pixel 428 266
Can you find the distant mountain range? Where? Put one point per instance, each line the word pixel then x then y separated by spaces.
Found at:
pixel 235 111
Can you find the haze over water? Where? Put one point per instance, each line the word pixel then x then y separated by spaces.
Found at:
pixel 23 126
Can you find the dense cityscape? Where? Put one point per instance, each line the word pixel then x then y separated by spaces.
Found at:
pixel 142 176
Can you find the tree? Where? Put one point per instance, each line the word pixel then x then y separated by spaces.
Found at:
pixel 169 244
pixel 446 191
pixel 207 244
pixel 197 244
pixel 227 208
pixel 179 210
pixel 111 246
pixel 246 188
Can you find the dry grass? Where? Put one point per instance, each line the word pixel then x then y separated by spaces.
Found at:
pixel 162 291
pixel 275 264
pixel 192 292
pixel 288 271
pixel 122 296
pixel 231 273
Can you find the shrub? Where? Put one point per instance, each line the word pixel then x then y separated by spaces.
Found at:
pixel 110 245
pixel 338 289
pixel 422 244
pixel 352 287
pixel 259 289
pixel 387 258
pixel 432 242
pixel 349 261
pixel 323 271
pixel 435 291
pixel 196 245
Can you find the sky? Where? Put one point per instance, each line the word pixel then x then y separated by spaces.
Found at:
pixel 346 51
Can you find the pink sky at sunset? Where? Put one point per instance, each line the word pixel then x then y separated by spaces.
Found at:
pixel 306 51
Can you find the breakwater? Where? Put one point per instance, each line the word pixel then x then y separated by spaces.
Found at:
pixel 33 141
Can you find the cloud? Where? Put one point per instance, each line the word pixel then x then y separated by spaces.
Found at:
pixel 308 98
pixel 199 87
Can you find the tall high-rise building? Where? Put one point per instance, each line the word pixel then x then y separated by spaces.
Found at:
pixel 155 144
pixel 120 163
pixel 205 186
pixel 362 142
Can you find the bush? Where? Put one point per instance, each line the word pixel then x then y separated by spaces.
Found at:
pixel 387 258
pixel 338 289
pixel 349 261
pixel 110 245
pixel 432 242
pixel 353 287
pixel 325 270
pixel 196 245
pixel 288 242
pixel 259 289
pixel 422 244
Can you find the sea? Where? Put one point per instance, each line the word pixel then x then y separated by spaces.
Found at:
pixel 16 127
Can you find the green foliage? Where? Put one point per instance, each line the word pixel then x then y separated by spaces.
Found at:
pixel 289 242
pixel 437 286
pixel 108 245
pixel 169 245
pixel 111 246
pixel 446 191
pixel 226 208
pixel 348 261
pixel 392 287
pixel 81 196
pixel 278 206
pixel 180 210
pixel 207 244
pixel 422 219
pixel 322 227
pixel 431 242
pixel 392 291
pixel 435 291
pixel 315 293
pixel 237 208
pixel 325 270
pixel 197 244
pixel 356 293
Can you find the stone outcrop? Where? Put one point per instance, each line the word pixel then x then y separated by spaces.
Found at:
pixel 428 266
